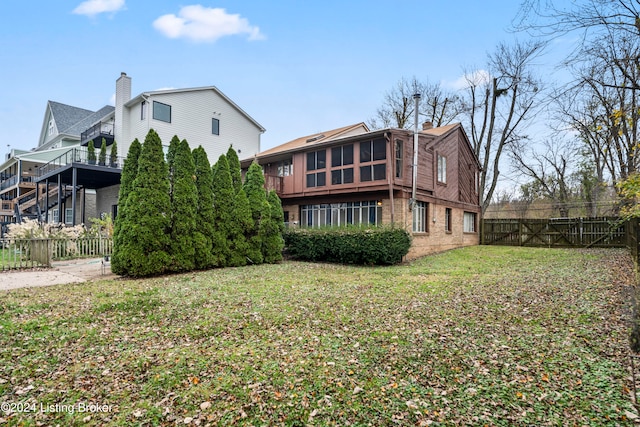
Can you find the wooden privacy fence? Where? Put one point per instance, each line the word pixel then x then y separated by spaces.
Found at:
pixel 562 232
pixel 32 253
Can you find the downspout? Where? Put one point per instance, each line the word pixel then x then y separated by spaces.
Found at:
pixel 390 175
pixel 412 201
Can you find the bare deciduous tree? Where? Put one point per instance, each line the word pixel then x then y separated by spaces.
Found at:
pixel 437 105
pixel 497 104
pixel 550 171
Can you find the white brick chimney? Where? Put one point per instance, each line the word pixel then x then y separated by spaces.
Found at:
pixel 123 95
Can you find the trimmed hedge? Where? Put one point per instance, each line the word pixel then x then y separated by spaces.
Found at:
pixel 369 246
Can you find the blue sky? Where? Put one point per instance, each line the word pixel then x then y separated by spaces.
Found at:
pixel 296 67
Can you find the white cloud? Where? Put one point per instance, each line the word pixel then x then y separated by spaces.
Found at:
pixel 202 24
pixel 477 78
pixel 94 7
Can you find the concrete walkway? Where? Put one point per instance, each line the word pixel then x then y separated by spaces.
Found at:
pixel 61 272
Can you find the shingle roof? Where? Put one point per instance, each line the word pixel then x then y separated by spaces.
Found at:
pixel 316 138
pixel 90 120
pixel 67 116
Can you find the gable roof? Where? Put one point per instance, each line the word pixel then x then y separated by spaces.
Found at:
pixel 317 138
pixel 143 95
pixel 66 116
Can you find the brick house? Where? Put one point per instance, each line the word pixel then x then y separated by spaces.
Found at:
pixel 352 175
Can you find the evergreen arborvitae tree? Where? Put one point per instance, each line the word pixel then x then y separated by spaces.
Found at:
pixel 223 202
pixel 256 193
pixel 234 168
pixel 174 146
pixel 204 223
pixel 145 231
pixel 102 158
pixel 272 229
pixel 129 171
pixel 183 209
pixel 241 251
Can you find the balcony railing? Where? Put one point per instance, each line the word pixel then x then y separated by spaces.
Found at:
pixel 272 182
pixel 77 155
pixel 104 130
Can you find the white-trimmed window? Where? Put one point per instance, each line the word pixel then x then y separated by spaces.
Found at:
pixel 54 216
pixel 442 169
pixel 143 110
pixel 215 126
pixel 341 214
pixel 51 127
pixel 68 216
pixel 469 222
pixel 420 217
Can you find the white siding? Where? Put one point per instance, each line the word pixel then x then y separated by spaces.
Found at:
pixel 191 114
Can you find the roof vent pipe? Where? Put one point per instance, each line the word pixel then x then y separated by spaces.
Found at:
pixel 412 201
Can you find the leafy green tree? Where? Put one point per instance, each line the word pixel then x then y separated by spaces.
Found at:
pixel 145 231
pixel 202 240
pixel 102 159
pixel 184 202
pixel 119 263
pixel 272 228
pixel 234 168
pixel 223 201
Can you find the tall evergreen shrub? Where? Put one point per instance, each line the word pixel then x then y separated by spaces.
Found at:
pixel 119 263
pixel 272 229
pixel 147 224
pixel 102 158
pixel 223 201
pixel 234 168
pixel 257 196
pixel 202 240
pixel 184 202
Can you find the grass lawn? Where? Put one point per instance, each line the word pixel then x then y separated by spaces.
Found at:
pixel 476 336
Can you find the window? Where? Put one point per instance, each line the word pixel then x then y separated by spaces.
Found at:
pixel 340 214
pixel 161 112
pixel 342 176
pixel 51 127
pixel 373 172
pixel 316 160
pixel 318 179
pixel 341 156
pixel 68 216
pixel 469 223
pixel 143 110
pixel 370 151
pixel 442 169
pixel 114 211
pixel 215 126
pixel 420 217
pixel 399 157
pixel 55 217
pixel 285 168
pixel 447 220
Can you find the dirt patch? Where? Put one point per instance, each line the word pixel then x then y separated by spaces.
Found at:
pixel 61 272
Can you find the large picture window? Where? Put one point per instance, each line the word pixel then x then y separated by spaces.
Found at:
pixel 342 156
pixel 161 112
pixel 340 214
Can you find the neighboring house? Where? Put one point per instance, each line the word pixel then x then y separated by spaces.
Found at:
pixel 40 183
pixel 355 176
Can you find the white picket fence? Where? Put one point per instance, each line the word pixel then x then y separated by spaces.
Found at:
pixel 33 253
